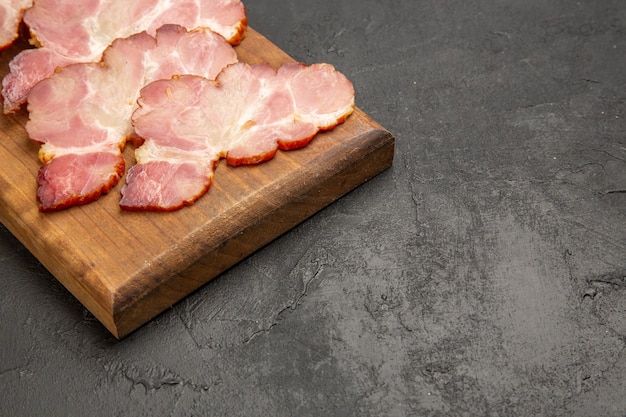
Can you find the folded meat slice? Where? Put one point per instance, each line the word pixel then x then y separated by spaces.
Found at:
pixel 11 12
pixel 69 32
pixel 188 123
pixel 82 113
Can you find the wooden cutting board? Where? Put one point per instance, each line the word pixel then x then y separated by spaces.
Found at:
pixel 127 267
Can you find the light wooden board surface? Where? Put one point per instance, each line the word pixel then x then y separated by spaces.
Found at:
pixel 127 267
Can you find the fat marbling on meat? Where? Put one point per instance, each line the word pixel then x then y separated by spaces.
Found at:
pixel 70 31
pixel 188 123
pixel 82 113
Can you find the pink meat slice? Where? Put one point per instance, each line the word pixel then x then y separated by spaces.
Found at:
pixel 82 113
pixel 11 12
pixel 188 123
pixel 70 31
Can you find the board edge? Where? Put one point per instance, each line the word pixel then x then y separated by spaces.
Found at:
pixel 129 311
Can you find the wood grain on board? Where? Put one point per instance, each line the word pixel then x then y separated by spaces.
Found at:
pixel 127 267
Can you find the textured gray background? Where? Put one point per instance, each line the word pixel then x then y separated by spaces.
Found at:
pixel 484 274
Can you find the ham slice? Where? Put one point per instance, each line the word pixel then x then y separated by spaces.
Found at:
pixel 11 12
pixel 188 123
pixel 71 31
pixel 82 113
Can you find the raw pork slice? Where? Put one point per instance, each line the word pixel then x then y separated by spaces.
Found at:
pixel 82 113
pixel 11 12
pixel 71 31
pixel 188 123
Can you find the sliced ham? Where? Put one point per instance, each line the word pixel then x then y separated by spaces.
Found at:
pixel 11 12
pixel 82 113
pixel 188 123
pixel 70 31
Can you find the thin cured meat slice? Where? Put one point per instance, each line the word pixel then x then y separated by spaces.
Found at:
pixel 11 12
pixel 69 32
pixel 188 123
pixel 82 113
pixel 84 29
pixel 93 173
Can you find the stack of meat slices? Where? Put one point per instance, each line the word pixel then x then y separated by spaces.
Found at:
pixel 68 31
pixel 81 113
pixel 189 123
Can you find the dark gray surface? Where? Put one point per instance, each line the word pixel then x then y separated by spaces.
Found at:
pixel 484 274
